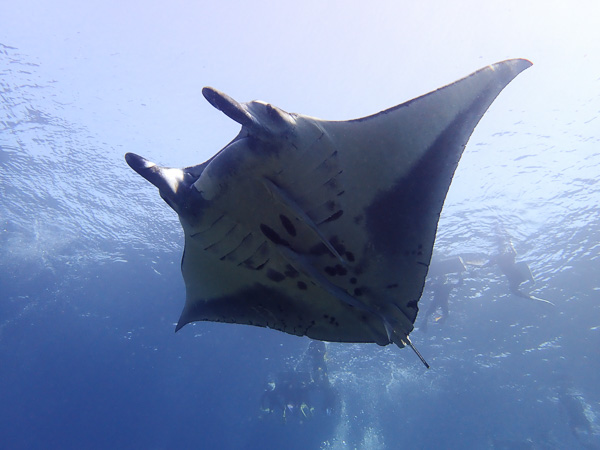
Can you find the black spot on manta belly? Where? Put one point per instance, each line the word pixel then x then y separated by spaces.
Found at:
pixel 334 216
pixel 272 235
pixel 288 225
pixel 275 275
pixel 338 269
pixel 302 286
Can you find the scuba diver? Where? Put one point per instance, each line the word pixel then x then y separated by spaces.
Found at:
pixel 286 396
pixel 572 406
pixel 442 287
pixel 303 392
pixel 578 414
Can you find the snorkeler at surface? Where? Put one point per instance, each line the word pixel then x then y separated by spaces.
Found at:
pixel 303 392
pixel 518 274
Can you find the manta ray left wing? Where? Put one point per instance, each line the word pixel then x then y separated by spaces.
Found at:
pixel 322 228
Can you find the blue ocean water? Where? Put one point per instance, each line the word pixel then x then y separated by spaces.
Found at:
pixel 91 290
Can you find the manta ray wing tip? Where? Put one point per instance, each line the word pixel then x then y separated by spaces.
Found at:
pixel 523 63
pixel 517 64
pixel 180 325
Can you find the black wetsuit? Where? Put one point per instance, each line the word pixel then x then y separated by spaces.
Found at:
pixel 441 294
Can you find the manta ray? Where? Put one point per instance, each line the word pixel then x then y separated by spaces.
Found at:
pixel 322 228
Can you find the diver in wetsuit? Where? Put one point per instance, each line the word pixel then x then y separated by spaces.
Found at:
pixel 322 394
pixel 518 274
pixel 303 392
pixel 441 287
pixel 576 419
pixel 314 358
pixel 286 395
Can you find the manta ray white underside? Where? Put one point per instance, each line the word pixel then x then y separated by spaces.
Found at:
pixel 322 228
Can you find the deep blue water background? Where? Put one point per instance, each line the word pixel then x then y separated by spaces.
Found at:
pixel 91 290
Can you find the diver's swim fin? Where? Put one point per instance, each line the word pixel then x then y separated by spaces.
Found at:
pixel 541 300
